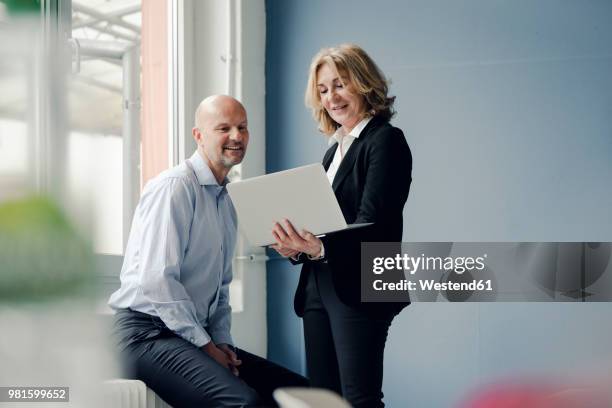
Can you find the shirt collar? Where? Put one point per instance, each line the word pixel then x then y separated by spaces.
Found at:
pixel 355 132
pixel 203 172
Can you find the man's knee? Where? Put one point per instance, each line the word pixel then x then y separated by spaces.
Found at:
pixel 232 391
pixel 239 397
pixel 252 399
pixel 234 397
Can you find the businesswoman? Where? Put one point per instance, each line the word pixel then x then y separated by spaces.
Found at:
pixel 369 167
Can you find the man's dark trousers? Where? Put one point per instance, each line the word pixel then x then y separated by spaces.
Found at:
pixel 183 375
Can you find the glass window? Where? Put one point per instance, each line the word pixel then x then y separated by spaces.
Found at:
pixel 16 60
pixel 95 164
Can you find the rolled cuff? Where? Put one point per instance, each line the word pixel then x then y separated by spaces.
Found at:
pixel 198 337
pixel 222 337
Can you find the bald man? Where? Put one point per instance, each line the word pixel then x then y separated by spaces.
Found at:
pixel 173 317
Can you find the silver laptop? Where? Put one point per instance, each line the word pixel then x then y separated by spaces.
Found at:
pixel 302 195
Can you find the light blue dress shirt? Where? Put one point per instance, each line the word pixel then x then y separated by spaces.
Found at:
pixel 178 260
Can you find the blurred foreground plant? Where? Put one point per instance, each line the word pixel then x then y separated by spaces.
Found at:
pixel 42 257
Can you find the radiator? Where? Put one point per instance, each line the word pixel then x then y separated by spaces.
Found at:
pixel 131 394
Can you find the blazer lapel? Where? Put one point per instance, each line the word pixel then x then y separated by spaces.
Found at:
pixel 348 162
pixel 329 156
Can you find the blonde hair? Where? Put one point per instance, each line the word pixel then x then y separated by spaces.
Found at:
pixel 362 74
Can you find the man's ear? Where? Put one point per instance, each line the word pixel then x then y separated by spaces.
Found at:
pixel 197 134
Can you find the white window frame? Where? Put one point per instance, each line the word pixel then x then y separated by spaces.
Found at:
pixel 51 117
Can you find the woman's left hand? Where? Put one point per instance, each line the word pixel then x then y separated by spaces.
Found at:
pixel 288 238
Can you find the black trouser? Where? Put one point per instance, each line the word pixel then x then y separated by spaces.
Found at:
pixel 344 346
pixel 183 375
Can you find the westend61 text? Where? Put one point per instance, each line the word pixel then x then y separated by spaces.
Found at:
pixel 430 284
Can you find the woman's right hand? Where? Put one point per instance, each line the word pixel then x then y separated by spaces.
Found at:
pixel 287 237
pixel 284 251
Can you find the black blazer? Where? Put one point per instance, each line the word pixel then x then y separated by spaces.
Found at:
pixel 371 185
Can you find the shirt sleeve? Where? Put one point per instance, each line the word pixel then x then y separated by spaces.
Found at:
pixel 298 259
pixel 166 212
pixel 301 257
pixel 221 320
pixel 320 255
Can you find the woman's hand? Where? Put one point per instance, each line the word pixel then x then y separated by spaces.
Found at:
pixel 285 252
pixel 289 240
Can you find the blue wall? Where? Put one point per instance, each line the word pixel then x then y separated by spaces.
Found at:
pixel 507 106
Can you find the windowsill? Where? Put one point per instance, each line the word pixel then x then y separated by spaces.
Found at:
pixel 103 309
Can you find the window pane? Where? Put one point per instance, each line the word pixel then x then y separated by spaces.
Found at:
pixel 94 179
pixel 96 115
pixel 15 138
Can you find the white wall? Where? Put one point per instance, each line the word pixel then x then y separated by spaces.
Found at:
pixel 506 107
pixel 205 30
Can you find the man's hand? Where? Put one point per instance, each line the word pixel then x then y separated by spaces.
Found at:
pixel 233 358
pixel 217 354
pixel 289 239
